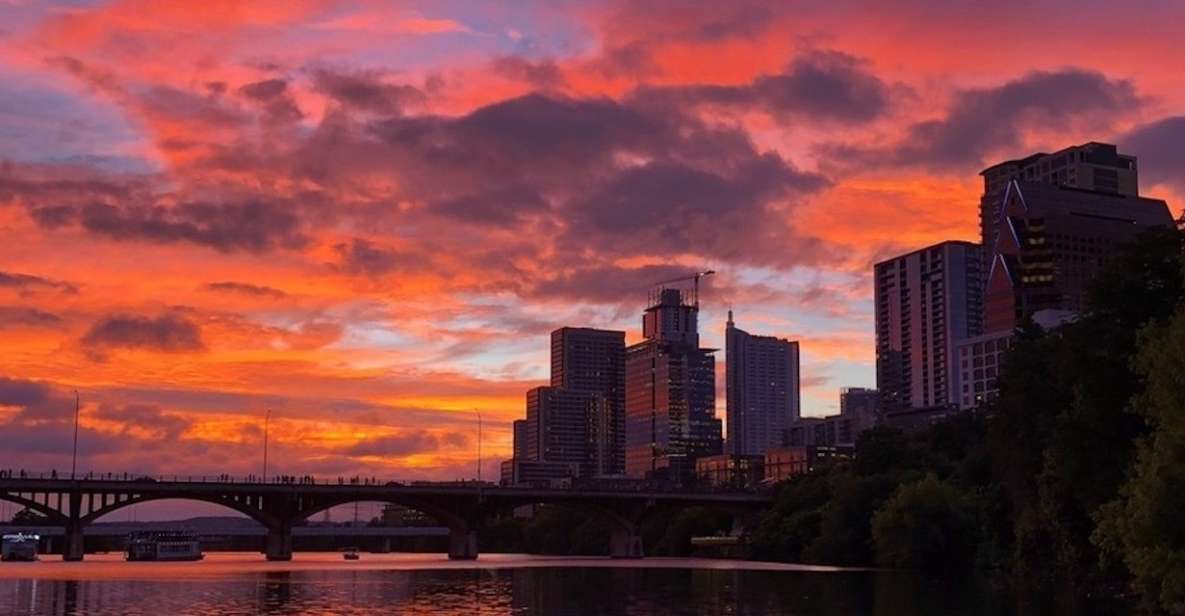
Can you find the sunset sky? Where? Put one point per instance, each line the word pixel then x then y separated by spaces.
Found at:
pixel 367 217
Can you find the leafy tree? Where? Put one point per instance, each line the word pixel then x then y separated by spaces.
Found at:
pixel 845 535
pixel 925 525
pixel 1060 440
pixel 1142 528
pixel 792 523
pixel 672 536
pixel 881 449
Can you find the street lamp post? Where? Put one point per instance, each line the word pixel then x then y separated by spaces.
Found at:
pixel 266 420
pixel 74 452
pixel 478 444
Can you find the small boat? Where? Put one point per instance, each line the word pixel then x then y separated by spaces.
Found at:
pixel 163 545
pixel 351 554
pixel 19 547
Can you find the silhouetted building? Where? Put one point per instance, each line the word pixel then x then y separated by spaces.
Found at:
pixel 593 361
pixel 1048 239
pixel 1091 166
pixel 829 431
pixel 557 424
pixel 912 420
pixel 728 470
pixel 980 361
pixel 538 473
pixel 762 385
pixel 926 302
pixel 520 439
pixel 859 401
pixel 670 392
pixel 782 463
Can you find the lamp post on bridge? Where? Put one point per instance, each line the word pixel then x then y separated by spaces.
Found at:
pixel 478 411
pixel 74 451
pixel 267 417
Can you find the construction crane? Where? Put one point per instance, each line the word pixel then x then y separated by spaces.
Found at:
pixel 695 283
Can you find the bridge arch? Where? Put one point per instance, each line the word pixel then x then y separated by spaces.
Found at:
pixel 52 515
pixel 440 513
pixel 258 515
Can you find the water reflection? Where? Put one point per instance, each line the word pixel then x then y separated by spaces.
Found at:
pixel 518 587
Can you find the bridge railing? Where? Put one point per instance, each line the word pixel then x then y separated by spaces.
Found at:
pixel 283 479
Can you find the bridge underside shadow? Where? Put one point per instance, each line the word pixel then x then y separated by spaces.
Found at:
pixel 279 507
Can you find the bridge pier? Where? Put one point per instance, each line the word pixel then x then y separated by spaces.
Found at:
pixel 625 542
pixel 462 543
pixel 278 544
pixel 73 545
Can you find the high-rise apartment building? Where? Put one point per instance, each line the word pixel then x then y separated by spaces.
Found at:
pixel 762 387
pixel 1050 221
pixel 557 426
pixel 926 302
pixel 520 439
pixel 670 392
pixel 579 419
pixel 593 361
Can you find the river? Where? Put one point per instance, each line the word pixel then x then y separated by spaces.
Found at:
pixel 227 583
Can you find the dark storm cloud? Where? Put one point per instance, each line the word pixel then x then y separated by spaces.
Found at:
pixel 991 121
pixel 273 98
pixel 542 74
pixel 500 206
pixel 366 91
pixel 408 443
pixel 537 166
pixel 820 85
pixel 143 417
pixel 671 199
pixel 22 316
pixel 617 176
pixel 244 288
pixel 361 256
pixel 28 282
pixel 52 216
pixel 167 333
pixel 20 392
pixel 264 90
pixel 1160 147
pixel 253 225
pixel 538 129
pixel 606 284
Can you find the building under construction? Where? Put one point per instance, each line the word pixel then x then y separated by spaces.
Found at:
pixel 670 390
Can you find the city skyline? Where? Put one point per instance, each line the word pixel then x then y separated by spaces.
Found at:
pixel 373 232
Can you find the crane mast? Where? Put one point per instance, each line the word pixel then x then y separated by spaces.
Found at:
pixel 695 283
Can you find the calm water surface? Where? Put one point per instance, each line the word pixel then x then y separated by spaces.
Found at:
pixel 323 583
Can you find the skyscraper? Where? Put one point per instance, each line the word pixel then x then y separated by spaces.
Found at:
pixel 670 392
pixel 557 423
pixel 579 418
pixel 520 439
pixel 926 302
pixel 1091 166
pixel 1050 221
pixel 592 361
pixel 762 384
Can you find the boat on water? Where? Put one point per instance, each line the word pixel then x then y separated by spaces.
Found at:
pixel 351 554
pixel 164 545
pixel 19 547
